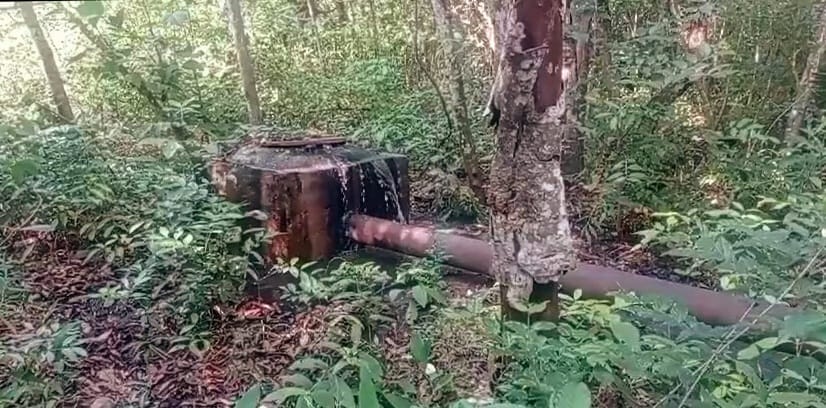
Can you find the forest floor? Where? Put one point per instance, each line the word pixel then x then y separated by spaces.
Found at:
pixel 133 357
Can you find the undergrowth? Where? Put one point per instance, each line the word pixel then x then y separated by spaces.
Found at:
pixel 683 148
pixel 177 248
pixel 647 352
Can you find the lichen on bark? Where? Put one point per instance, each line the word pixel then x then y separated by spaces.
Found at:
pixel 530 230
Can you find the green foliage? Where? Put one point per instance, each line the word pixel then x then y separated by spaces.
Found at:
pixel 347 361
pixel 37 364
pixel 692 136
pixel 317 383
pixel 369 289
pixel 772 225
pixel 149 218
pixel 601 345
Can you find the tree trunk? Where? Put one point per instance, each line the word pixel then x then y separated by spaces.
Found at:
pixel 245 62
pixel 486 15
pixel 456 89
pixel 808 80
pixel 61 100
pixel 531 235
pixel 578 48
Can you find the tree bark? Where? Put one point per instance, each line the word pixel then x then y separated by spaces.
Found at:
pixel 61 100
pixel 486 12
pixel 245 62
pixel 578 49
pixel 808 80
pixel 531 235
pixel 443 18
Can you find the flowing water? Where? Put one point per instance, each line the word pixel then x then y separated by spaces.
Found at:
pixel 372 168
pixel 382 170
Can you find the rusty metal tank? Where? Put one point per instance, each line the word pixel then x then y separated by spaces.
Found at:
pixel 307 186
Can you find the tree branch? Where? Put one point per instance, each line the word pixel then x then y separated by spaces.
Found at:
pixel 103 46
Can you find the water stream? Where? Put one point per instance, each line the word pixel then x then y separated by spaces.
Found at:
pixel 382 170
pixel 372 168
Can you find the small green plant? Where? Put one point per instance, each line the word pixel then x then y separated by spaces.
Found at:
pixel 171 239
pixel 38 363
pixel 130 288
pixel 367 288
pixel 337 375
pixel 772 224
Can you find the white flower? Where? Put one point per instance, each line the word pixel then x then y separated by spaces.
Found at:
pixel 430 369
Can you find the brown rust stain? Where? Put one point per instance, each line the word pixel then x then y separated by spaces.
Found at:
pixel 543 28
pixel 316 202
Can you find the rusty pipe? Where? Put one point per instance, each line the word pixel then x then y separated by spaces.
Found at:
pixel 595 282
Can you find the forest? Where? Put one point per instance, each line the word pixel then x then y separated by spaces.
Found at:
pixel 622 203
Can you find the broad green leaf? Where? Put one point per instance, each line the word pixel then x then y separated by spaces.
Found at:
pixel 298 380
pixel 343 392
pixel 407 386
pixel 23 169
pixel 807 325
pixel 250 398
pixel 303 402
pixel 754 350
pixel 419 348
pixel 367 390
pixel 394 294
pixel 542 326
pixel 420 295
pixel 577 294
pixel 748 353
pixel 170 148
pixel 324 398
pixel 91 10
pixel 626 333
pixel 767 343
pixel 282 394
pixel 436 295
pixel 800 398
pixel 574 395
pixel 397 401
pixel 535 308
pixel 193 65
pixel 372 364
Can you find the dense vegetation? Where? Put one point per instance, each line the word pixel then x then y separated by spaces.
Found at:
pixel 121 270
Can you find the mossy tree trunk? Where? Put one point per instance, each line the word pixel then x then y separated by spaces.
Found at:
pixel 531 235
